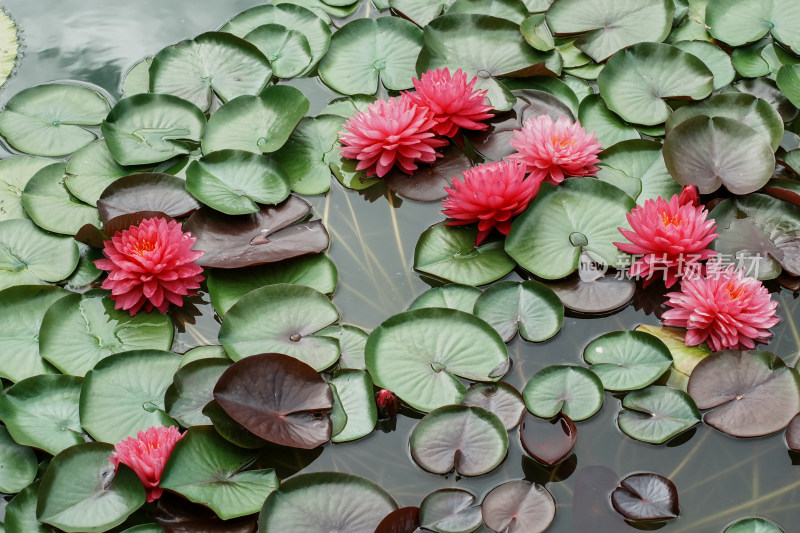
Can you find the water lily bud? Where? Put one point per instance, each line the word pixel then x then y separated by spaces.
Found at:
pixel 387 404
pixel 689 195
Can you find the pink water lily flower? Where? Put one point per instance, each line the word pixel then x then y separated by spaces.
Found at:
pixel 726 310
pixel 150 265
pixel 391 132
pixel 490 194
pixel 147 455
pixel 453 102
pixel 555 150
pixel 672 238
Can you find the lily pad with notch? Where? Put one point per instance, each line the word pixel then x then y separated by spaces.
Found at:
pixel 646 497
pixel 684 358
pixel 470 440
pixel 500 398
pixel 518 506
pixel 354 388
pixel 191 389
pixel 717 60
pixel 52 207
pixel 19 464
pixel 92 169
pixel 627 360
pixel 31 256
pixel 766 89
pixel 14 174
pixel 288 50
pixel 593 289
pixel 403 520
pixel 450 511
pixel 272 234
pixel 657 414
pixel 739 22
pixel 753 525
pixel 608 128
pixel 150 191
pixel 549 441
pixel 573 390
pixel 750 393
pixel 281 318
pixel 529 306
pixel 637 167
pixel 428 182
pixel 352 341
pixel 420 355
pixel 450 296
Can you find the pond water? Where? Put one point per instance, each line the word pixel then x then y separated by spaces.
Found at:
pixel 719 478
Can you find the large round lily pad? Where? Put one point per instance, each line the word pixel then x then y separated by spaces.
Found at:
pixel 470 440
pixel 573 390
pixel 739 22
pixel 608 128
pixel 149 191
pixel 717 60
pixel 529 306
pixel 50 205
pixel 14 174
pixel 753 525
pixel 419 355
pixel 627 360
pixel 518 506
pixel 646 497
pixel 331 501
pixel 656 414
pixel 29 256
pixel 92 169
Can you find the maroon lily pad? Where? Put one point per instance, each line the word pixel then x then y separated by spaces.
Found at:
pixel 94 236
pixel 272 234
pixel 548 441
pixel 786 189
pixel 494 144
pixel 646 497
pixel 428 182
pixel 499 398
pixel 590 509
pixel 277 398
pixel 177 515
pixel 789 282
pixel 793 434
pixel 752 393
pixel 518 507
pixel 403 520
pixel 149 191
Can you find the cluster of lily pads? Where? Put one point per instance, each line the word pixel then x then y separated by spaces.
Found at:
pixel 679 92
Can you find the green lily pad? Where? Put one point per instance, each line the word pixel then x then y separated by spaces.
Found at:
pixel 419 355
pixel 226 287
pixel 607 26
pixel 564 90
pixel 9 46
pixel 50 119
pixel 292 16
pixel 753 525
pixel 449 252
pixel 50 205
pixel 21 512
pixel 470 440
pixel 579 215
pixel 137 79
pixel 257 124
pixel 607 126
pixel 42 411
pixel 281 318
pixel 198 353
pixel 537 33
pixel 14 174
pixel 366 50
pixel 766 89
pixel 151 128
pixel 636 81
pixel 232 181
pixel 739 22
pixel 450 296
pixel 420 12
pixel 124 394
pixel 331 501
pixel 206 469
pixel 684 358
pixel 19 464
pixel 486 47
pixel 354 388
pixel 192 388
pixel 21 312
pixel 500 399
pixel 288 51
pixel 713 151
pixel 92 169
pixel 29 256
pixel 627 360
pixel 506 9
pixel 450 511
pixel 529 306
pixel 656 414
pixel 146 192
pixel 80 330
pixel 717 61
pixel 573 390
pixel 80 492
pixel 213 63
pixel 787 80
pixel 352 341
pixel 637 167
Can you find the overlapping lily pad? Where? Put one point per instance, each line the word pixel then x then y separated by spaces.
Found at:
pixel 548 441
pixel 92 169
pixel 500 399
pixel 627 360
pixel 717 61
pixel 50 205
pixel 470 440
pixel 419 355
pixel 50 119
pixel 656 414
pixel 608 127
pixel 518 506
pixel 354 388
pixel 192 388
pixel 21 512
pixel 451 296
pixel 150 191
pixel 740 22
pixel 450 511
pixel 753 525
pixel 19 464
pixel 646 497
pixel 573 390
pixel 14 174
pixel 288 50
pixel 30 256
pixel 403 520
pixel 528 306
pixel 428 182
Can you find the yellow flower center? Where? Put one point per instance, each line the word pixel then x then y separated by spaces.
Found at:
pixel 143 246
pixel 674 220
pixel 734 291
pixel 561 142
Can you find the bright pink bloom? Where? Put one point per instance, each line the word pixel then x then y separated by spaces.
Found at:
pixel 388 132
pixel 555 150
pixel 146 455
pixel 726 310
pixel 672 237
pixel 490 195
pixel 453 102
pixel 150 265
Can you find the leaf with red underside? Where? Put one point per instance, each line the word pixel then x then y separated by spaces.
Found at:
pixel 149 191
pixel 177 515
pixel 646 497
pixel 786 189
pixel 93 236
pixel 548 441
pixel 272 234
pixel 404 520
pixel 428 182
pixel 793 434
pixel 518 507
pixel 278 398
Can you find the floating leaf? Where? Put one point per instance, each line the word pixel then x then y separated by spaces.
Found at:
pixel 274 233
pixel 609 129
pixel 278 398
pixel 331 501
pixel 529 306
pixel 42 411
pixel 637 167
pixel 213 63
pixel 206 469
pixel 450 511
pixel 192 388
pixel 627 360
pixel 419 355
pixel 656 414
pixel 14 174
pixel 450 296
pixel 365 49
pixel 548 441
pixel 80 330
pixel 354 388
pixel 307 153
pixel 404 520
pixel 739 22
pixel 500 399
pixel 751 393
pixel 50 119
pixel 717 61
pixel 146 192
pixel 449 252
pixel 9 46
pixel 19 464
pixel 787 80
pixel 179 515
pixel 124 394
pixel 29 256
pixel 81 492
pixel 92 169
pixel 428 182
pixel 753 525
pixel 50 205
pixel 646 497
pixel 573 390
pixel 288 51
pixel 21 512
pixel 420 12
pixel 793 434
pixel 537 33
pixel 518 506
pixel 766 89
pixel 593 291
pixel 684 358
pixel 470 440
pixel 137 79
pixel 151 128
pixel 281 318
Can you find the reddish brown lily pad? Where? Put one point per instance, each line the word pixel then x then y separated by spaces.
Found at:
pixel 646 497
pixel 177 515
pixel 277 398
pixel 403 520
pixel 793 434
pixel 149 191
pixel 548 441
pixel 428 182
pixel 272 234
